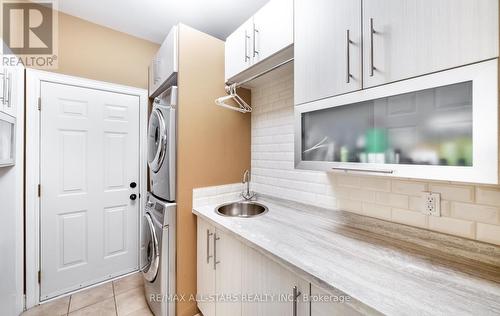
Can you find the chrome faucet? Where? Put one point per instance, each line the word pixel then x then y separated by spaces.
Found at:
pixel 247 194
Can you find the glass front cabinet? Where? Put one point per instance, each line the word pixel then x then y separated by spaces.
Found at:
pixel 442 126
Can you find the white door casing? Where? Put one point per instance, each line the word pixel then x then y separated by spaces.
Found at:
pixel 121 118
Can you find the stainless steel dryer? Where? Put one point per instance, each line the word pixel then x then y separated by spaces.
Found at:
pixel 159 272
pixel 161 145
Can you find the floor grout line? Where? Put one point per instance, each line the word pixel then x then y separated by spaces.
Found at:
pixel 114 297
pixel 69 304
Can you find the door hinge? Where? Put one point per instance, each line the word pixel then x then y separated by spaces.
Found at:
pixel 39 276
pixel 39 190
pixel 39 103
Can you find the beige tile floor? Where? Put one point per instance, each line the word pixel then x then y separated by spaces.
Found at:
pixel 122 297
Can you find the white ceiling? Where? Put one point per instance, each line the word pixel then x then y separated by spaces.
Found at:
pixel 152 19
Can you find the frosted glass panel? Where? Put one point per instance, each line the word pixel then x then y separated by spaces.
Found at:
pixel 426 127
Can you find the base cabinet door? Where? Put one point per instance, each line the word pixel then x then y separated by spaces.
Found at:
pixel 270 289
pixel 205 268
pixel 325 304
pixel 227 257
pixel 409 38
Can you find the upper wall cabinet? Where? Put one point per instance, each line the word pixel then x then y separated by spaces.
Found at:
pixel 327 48
pixel 273 29
pixel 164 66
pixel 387 40
pixel 259 39
pixel 409 38
pixel 441 126
pixel 238 49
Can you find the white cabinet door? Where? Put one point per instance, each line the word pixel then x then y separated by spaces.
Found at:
pixel 415 37
pixel 327 48
pixel 227 256
pixel 270 287
pixel 205 268
pixel 165 62
pixel 272 30
pixel 322 305
pixel 238 50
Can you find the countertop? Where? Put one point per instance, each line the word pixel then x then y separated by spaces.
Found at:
pixel 392 268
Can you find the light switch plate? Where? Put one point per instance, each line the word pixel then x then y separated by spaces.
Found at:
pixel 432 204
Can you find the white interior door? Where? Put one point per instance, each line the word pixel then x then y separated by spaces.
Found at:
pixel 89 156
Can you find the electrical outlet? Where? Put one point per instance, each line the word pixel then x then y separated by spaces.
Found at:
pixel 432 204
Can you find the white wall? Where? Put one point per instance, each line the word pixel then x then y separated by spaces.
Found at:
pixel 11 226
pixel 469 211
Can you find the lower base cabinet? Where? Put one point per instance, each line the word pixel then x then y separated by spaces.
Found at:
pixel 236 280
pixel 269 289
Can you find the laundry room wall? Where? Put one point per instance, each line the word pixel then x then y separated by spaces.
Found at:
pixel 96 52
pixel 93 51
pixel 213 143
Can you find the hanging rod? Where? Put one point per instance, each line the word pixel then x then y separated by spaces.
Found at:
pixel 239 84
pixel 241 105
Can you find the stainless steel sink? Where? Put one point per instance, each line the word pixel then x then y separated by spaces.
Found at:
pixel 241 209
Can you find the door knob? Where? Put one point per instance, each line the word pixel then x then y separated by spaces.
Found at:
pixel 133 197
pixel 133 185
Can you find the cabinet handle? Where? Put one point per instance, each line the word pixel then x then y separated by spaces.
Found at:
pixel 255 31
pixel 348 55
pixel 247 58
pixel 372 32
pixel 9 89
pixel 215 251
pixel 296 294
pixel 208 245
pixel 364 170
pixel 4 86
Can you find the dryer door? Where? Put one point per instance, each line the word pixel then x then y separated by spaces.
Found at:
pixel 157 140
pixel 152 251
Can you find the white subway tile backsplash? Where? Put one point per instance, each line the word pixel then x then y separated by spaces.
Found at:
pixel 408 187
pixel 488 233
pixel 463 206
pixel 488 195
pixel 376 184
pixel 348 181
pixel 475 212
pixel 392 199
pixel 411 218
pixel 376 210
pixel 454 192
pixel 452 226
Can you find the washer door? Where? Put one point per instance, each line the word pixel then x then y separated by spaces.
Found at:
pixel 157 140
pixel 152 251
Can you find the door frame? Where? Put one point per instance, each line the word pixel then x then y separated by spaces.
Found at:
pixel 34 78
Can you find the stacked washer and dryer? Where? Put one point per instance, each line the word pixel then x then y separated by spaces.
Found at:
pixel 159 237
pixel 160 209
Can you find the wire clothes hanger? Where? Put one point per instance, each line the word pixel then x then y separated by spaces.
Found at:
pixel 241 105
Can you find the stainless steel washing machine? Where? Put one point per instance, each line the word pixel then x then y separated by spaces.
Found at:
pixel 161 145
pixel 159 272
